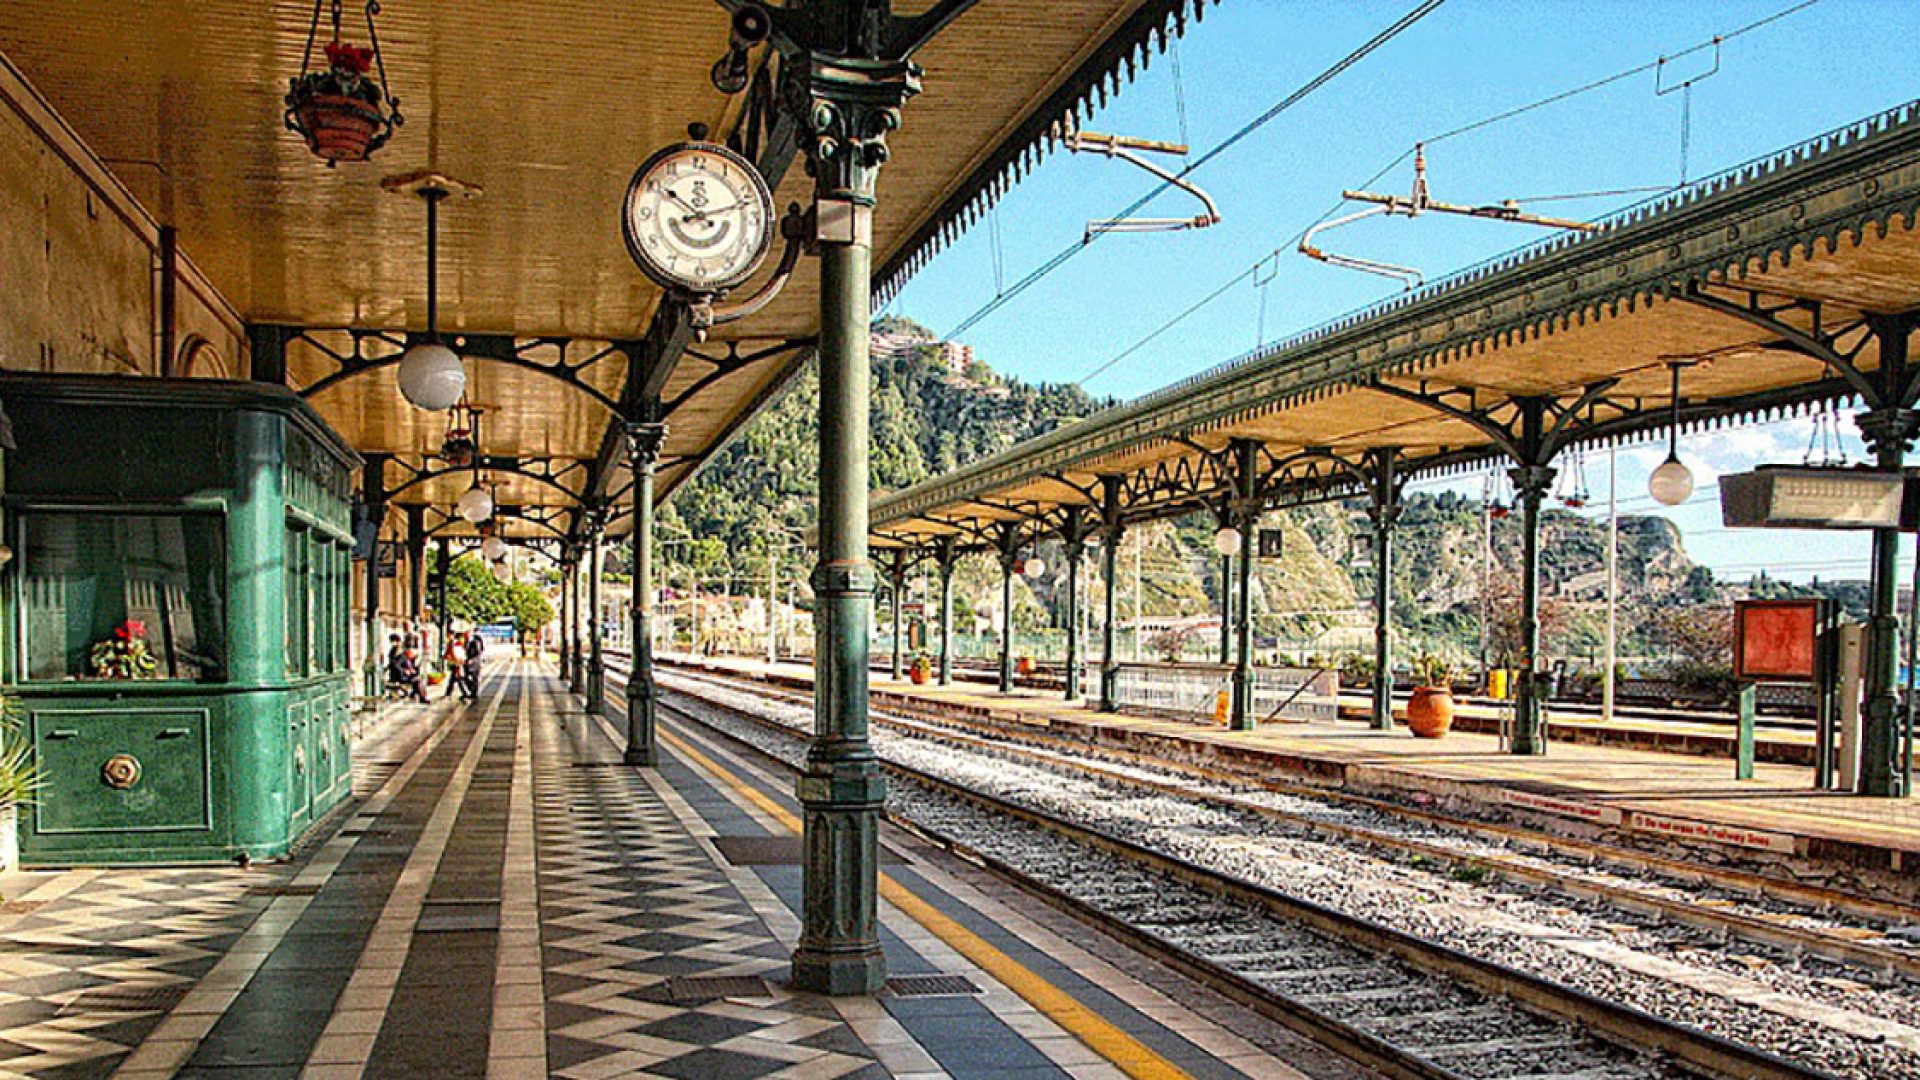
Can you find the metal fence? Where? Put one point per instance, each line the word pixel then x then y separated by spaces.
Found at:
pixel 1193 690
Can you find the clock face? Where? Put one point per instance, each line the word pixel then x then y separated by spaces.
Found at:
pixel 698 217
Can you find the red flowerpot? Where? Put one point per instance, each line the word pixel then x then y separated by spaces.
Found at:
pixel 918 674
pixel 338 128
pixel 1430 712
pixel 1023 665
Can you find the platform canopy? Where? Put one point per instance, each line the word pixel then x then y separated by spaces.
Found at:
pixel 1760 283
pixel 547 108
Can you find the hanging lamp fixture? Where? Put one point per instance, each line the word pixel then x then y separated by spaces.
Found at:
pixel 342 111
pixel 431 376
pixel 461 444
pixel 1672 483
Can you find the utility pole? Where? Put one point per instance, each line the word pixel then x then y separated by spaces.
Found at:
pixel 773 604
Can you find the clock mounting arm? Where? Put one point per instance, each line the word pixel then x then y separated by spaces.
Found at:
pixel 705 315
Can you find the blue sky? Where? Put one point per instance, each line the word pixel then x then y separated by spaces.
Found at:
pixel 1811 71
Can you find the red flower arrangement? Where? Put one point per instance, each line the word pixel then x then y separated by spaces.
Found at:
pixel 125 655
pixel 350 59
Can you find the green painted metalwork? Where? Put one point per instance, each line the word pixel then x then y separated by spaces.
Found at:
pixel 596 658
pixel 1746 704
pixel 1244 517
pixel 946 554
pixel 643 453
pixel 850 76
pixel 1385 511
pixel 1772 211
pixel 1074 533
pixel 238 753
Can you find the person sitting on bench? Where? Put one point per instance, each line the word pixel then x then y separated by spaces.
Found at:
pixel 403 672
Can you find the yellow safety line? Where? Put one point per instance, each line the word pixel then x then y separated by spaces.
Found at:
pixel 1126 1052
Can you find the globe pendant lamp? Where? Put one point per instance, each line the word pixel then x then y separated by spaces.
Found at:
pixel 1035 567
pixel 1672 483
pixel 1227 541
pixel 493 548
pixel 475 504
pixel 431 376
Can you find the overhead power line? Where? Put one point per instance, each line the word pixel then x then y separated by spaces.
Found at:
pixel 1059 259
pixel 1488 121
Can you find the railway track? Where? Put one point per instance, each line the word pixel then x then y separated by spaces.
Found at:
pixel 1801 918
pixel 1397 1001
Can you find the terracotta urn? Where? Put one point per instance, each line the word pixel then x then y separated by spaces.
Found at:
pixel 1430 711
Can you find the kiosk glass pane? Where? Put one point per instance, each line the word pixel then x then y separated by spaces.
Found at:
pixel 86 576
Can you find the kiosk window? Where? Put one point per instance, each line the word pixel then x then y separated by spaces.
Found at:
pixel 84 576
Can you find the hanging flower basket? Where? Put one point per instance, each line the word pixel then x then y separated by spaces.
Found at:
pixel 459 448
pixel 342 112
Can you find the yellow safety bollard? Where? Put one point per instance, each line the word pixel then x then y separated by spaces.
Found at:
pixel 1222 703
pixel 1497 684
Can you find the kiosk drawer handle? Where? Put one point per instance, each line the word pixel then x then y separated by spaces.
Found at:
pixel 174 733
pixel 62 733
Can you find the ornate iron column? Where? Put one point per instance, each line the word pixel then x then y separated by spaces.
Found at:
pixel 1245 518
pixel 596 661
pixel 947 553
pixel 1531 483
pixel 1889 432
pixel 1226 598
pixel 578 669
pixel 643 453
pixel 1111 533
pixel 1074 534
pixel 1384 509
pixel 373 490
pixel 566 615
pixel 1009 566
pixel 441 616
pixel 849 74
pixel 896 584
pixel 416 562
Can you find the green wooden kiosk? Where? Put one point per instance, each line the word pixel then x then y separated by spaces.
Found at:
pixel 211 520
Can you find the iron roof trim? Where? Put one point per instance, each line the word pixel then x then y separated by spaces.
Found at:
pixel 1869 171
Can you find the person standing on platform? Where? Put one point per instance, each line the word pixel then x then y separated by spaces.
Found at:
pixel 457 667
pixel 476 648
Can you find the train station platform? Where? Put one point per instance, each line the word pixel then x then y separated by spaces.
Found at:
pixel 1686 802
pixel 503 898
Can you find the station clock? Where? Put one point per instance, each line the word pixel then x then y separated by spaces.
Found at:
pixel 698 218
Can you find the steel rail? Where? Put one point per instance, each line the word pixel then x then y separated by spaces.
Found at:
pixel 1604 1019
pixel 1611 1021
pixel 1743 881
pixel 1359 1046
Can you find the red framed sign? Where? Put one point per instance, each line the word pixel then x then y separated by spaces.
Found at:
pixel 1775 640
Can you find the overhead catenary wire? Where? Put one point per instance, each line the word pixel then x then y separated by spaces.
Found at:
pixel 1420 11
pixel 1717 40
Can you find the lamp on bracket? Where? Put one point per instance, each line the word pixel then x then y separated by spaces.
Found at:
pixel 431 375
pixel 1227 541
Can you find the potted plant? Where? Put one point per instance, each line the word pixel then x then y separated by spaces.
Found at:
pixel 340 110
pixel 125 655
pixel 1023 665
pixel 1430 710
pixel 19 783
pixel 921 669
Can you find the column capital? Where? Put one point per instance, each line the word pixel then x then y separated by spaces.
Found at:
pixel 1532 479
pixel 644 439
pixel 1890 428
pixel 848 106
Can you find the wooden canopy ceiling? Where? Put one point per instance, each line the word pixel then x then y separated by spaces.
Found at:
pixel 1744 278
pixel 547 108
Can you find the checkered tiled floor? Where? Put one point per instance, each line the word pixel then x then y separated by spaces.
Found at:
pixel 504 899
